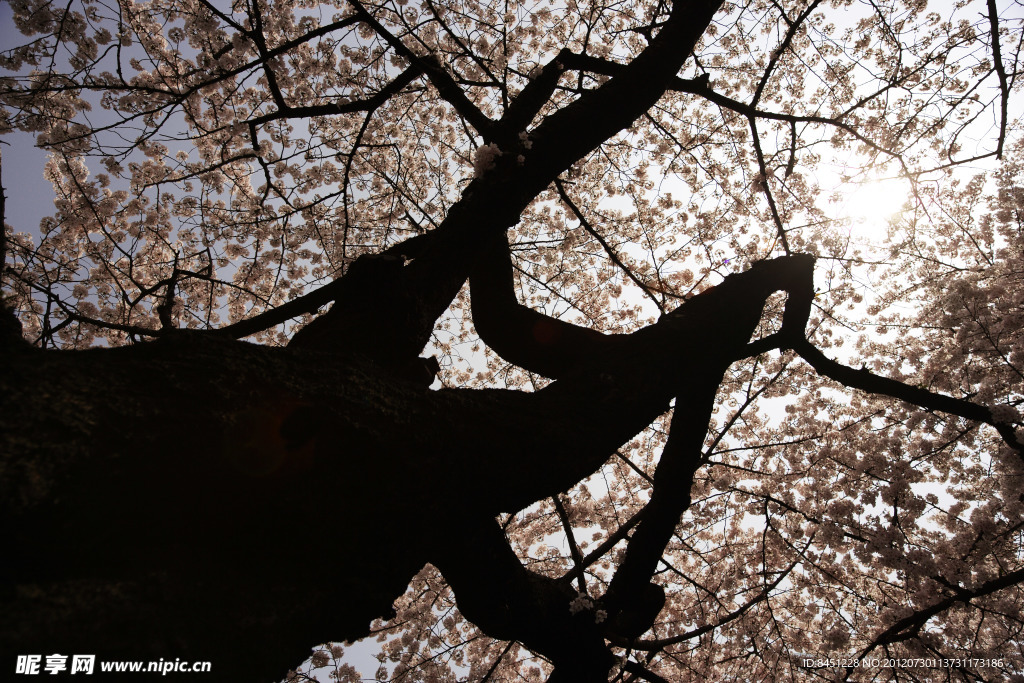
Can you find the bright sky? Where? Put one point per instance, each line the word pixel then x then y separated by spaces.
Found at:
pixel 29 196
pixel 870 206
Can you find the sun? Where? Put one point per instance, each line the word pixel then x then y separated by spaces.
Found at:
pixel 871 205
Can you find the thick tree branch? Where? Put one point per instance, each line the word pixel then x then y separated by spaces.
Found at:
pixel 492 203
pixel 597 115
pixel 520 335
pixel 632 601
pixel 321 296
pixel 682 455
pixel 534 95
pixel 508 602
pixel 574 548
pixel 1004 85
pixel 680 460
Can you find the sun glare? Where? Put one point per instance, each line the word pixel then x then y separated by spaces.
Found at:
pixel 871 205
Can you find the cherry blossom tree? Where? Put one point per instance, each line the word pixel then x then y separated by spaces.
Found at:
pixel 528 337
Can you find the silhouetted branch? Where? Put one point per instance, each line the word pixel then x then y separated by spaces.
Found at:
pixel 446 86
pixel 870 382
pixel 909 626
pixel 1004 85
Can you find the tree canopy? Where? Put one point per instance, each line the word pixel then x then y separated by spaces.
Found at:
pixel 584 324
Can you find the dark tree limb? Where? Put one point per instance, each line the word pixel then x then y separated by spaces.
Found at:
pixel 520 335
pixel 574 548
pixel 321 296
pixel 1004 85
pixel 643 673
pixel 493 203
pixel 630 592
pixel 909 626
pixel 867 381
pixel 368 104
pixel 632 601
pixel 534 95
pixel 682 455
pixel 508 602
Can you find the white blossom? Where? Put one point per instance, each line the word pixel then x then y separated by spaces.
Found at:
pixel 485 159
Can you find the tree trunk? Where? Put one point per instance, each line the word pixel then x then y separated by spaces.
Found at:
pixel 210 499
